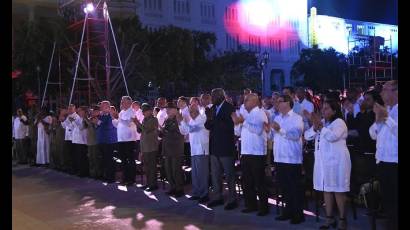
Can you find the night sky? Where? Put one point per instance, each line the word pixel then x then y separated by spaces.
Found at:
pixel 382 11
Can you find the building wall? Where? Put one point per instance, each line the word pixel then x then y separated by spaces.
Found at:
pixel 211 15
pixel 336 32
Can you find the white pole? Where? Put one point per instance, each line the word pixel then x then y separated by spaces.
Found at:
pixel 78 58
pixel 48 75
pixel 118 54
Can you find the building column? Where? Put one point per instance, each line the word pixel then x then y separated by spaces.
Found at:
pixel 266 80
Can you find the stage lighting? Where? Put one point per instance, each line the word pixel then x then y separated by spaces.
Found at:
pixel 89 8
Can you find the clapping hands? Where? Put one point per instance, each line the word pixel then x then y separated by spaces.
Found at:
pixel 316 121
pixel 381 112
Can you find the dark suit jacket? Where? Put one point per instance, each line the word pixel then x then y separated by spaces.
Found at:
pixel 221 131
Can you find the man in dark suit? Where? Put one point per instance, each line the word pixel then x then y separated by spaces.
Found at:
pixel 221 148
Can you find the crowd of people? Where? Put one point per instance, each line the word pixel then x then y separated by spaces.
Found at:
pixel 211 133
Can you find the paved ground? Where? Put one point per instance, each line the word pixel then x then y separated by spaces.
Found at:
pixel 46 199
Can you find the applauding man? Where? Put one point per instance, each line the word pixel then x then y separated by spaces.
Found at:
pixel 253 155
pixel 287 130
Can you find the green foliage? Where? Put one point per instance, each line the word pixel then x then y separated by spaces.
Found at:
pixel 177 61
pixel 321 69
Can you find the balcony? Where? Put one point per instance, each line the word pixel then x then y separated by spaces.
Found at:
pixel 123 8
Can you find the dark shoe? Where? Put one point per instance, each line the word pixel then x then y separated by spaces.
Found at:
pixel 179 194
pixel 297 219
pixel 215 203
pixel 283 217
pixel 203 199
pixel 249 210
pixel 263 212
pixel 151 189
pixel 171 192
pixel 231 205
pixel 330 222
pixel 342 224
pixel 194 198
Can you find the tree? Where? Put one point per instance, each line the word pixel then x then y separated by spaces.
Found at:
pixel 235 70
pixel 321 69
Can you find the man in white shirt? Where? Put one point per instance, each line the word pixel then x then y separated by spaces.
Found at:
pixel 290 91
pixel 385 132
pixel 68 125
pixel 20 133
pixel 242 111
pixel 79 140
pixel 127 136
pixel 305 105
pixel 199 140
pixel 253 156
pixel 182 104
pixel 287 130
pixel 162 114
pixel 205 102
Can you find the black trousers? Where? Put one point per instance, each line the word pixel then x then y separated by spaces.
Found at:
pixel 68 156
pixel 253 180
pixel 388 177
pixel 290 181
pixel 107 151
pixel 187 154
pixel 81 163
pixel 137 150
pixel 126 152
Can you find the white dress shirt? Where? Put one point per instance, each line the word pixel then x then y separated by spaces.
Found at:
pixel 162 116
pixel 140 117
pixel 185 115
pixel 287 147
pixel 20 130
pixel 198 134
pixel 126 128
pixel 386 136
pixel 202 109
pixel 69 127
pixel 79 134
pixel 243 111
pixel 253 135
pixel 308 106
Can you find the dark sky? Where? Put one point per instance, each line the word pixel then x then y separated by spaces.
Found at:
pixel 382 11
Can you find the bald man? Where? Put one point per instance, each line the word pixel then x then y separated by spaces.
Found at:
pixel 253 155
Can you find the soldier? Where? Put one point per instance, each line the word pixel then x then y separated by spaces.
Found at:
pixel 94 155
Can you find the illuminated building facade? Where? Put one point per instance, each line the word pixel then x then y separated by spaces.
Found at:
pixel 327 31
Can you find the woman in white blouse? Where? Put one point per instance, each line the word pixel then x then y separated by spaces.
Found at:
pixel 332 166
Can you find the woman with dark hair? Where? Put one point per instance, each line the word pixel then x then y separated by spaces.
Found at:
pixel 331 173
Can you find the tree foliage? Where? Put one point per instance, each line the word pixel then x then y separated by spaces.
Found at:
pixel 175 61
pixel 321 69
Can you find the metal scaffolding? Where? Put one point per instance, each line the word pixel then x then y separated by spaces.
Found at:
pixel 90 27
pixel 370 60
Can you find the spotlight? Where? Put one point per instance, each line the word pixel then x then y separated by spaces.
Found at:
pixel 89 8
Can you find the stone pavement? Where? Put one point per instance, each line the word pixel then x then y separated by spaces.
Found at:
pixel 45 199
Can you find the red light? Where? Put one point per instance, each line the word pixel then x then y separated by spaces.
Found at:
pixel 249 19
